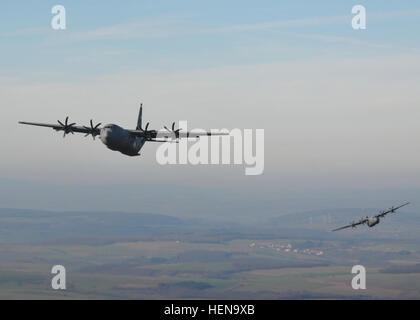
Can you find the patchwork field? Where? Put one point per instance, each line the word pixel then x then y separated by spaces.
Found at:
pixel 158 258
pixel 174 269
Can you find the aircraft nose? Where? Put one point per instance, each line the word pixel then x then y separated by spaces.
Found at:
pixel 104 134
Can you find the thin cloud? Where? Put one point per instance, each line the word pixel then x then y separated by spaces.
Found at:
pixel 27 32
pixel 150 28
pixel 169 26
pixel 182 26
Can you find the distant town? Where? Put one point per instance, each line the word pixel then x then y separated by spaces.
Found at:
pixel 285 248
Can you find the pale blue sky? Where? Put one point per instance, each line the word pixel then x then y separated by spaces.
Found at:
pixel 339 106
pixel 103 37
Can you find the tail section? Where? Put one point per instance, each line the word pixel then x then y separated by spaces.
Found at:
pixel 139 120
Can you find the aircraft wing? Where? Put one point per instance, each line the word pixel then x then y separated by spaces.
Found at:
pixel 391 210
pixel 154 135
pixel 67 127
pixel 57 127
pixel 352 225
pixel 199 134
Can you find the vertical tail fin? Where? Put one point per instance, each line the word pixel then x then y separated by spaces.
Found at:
pixel 139 120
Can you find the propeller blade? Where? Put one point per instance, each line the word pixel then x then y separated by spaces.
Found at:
pixel 93 130
pixel 175 132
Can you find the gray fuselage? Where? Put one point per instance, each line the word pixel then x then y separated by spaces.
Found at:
pixel 119 139
pixel 373 221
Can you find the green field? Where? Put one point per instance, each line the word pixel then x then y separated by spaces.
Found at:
pixel 249 269
pixel 144 256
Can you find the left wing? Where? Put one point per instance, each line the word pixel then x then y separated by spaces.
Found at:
pixel 199 134
pixel 352 225
pixel 391 210
pixel 164 135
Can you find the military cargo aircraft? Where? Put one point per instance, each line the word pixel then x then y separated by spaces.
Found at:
pixel 126 141
pixel 373 221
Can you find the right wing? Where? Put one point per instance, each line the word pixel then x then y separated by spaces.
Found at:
pixel 68 127
pixel 57 127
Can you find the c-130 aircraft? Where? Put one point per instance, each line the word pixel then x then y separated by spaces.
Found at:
pixel 373 221
pixel 126 141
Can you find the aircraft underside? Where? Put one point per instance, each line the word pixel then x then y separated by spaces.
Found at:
pixel 118 139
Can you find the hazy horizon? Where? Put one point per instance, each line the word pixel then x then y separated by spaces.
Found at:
pixel 338 106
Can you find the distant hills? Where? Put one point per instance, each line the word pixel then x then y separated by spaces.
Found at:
pixel 341 215
pixel 402 224
pixel 146 218
pixel 22 226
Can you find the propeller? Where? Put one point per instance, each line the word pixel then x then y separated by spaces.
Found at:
pixel 176 132
pixel 93 130
pixel 148 134
pixel 145 129
pixel 66 127
pixel 366 216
